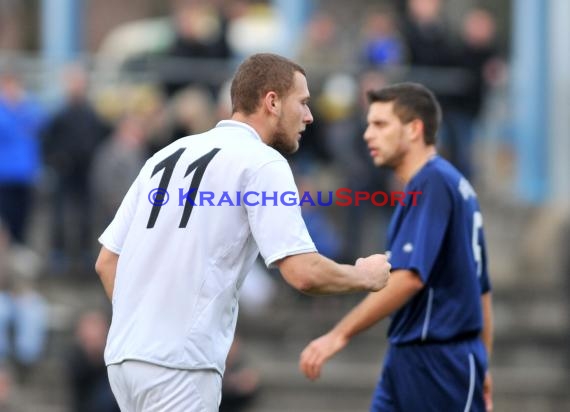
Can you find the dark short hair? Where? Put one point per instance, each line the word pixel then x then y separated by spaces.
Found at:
pixel 258 75
pixel 411 101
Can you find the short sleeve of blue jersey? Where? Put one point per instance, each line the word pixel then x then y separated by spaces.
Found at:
pixel 420 230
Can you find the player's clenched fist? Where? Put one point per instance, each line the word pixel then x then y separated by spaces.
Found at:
pixel 376 269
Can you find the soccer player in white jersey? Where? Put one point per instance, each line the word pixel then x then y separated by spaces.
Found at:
pixel 173 267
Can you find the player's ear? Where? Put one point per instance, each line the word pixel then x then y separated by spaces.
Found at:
pixel 272 103
pixel 416 129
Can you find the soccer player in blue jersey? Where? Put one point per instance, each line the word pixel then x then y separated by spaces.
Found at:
pixel 439 294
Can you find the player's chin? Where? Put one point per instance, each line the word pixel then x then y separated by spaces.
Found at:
pixel 292 147
pixel 286 147
pixel 378 161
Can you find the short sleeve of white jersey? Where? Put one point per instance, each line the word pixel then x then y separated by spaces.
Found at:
pixel 277 227
pixel 114 236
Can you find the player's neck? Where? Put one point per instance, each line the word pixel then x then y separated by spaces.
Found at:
pixel 414 161
pixel 256 121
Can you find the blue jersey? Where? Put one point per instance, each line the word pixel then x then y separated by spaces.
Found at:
pixel 441 239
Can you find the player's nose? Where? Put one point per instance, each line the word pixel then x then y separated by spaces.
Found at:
pixel 308 119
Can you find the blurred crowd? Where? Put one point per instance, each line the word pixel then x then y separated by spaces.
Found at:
pixel 83 153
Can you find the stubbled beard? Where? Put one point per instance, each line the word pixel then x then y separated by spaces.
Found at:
pixel 394 161
pixel 282 144
pixel 396 158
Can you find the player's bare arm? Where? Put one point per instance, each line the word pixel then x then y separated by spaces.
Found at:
pixel 487 337
pixel 376 306
pixel 487 333
pixel 315 274
pixel 106 268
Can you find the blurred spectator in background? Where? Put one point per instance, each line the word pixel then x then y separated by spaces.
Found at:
pixel 70 139
pixel 255 27
pixel 20 122
pixel 191 111
pixel 200 33
pixel 426 34
pixel 430 46
pixel 453 69
pixel 23 311
pixel 477 57
pixel 337 104
pixel 141 126
pixel 90 389
pixel 322 47
pixel 116 164
pixel 381 42
pixel 200 30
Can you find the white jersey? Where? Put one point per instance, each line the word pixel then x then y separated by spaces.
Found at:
pixel 182 260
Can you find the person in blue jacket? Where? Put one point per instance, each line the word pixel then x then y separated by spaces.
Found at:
pixel 21 119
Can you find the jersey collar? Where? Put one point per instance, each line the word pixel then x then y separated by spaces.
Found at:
pixel 241 125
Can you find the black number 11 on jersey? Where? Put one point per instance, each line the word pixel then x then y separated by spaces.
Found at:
pixel 168 165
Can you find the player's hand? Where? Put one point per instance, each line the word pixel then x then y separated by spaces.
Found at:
pixel 488 392
pixel 318 352
pixel 375 269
